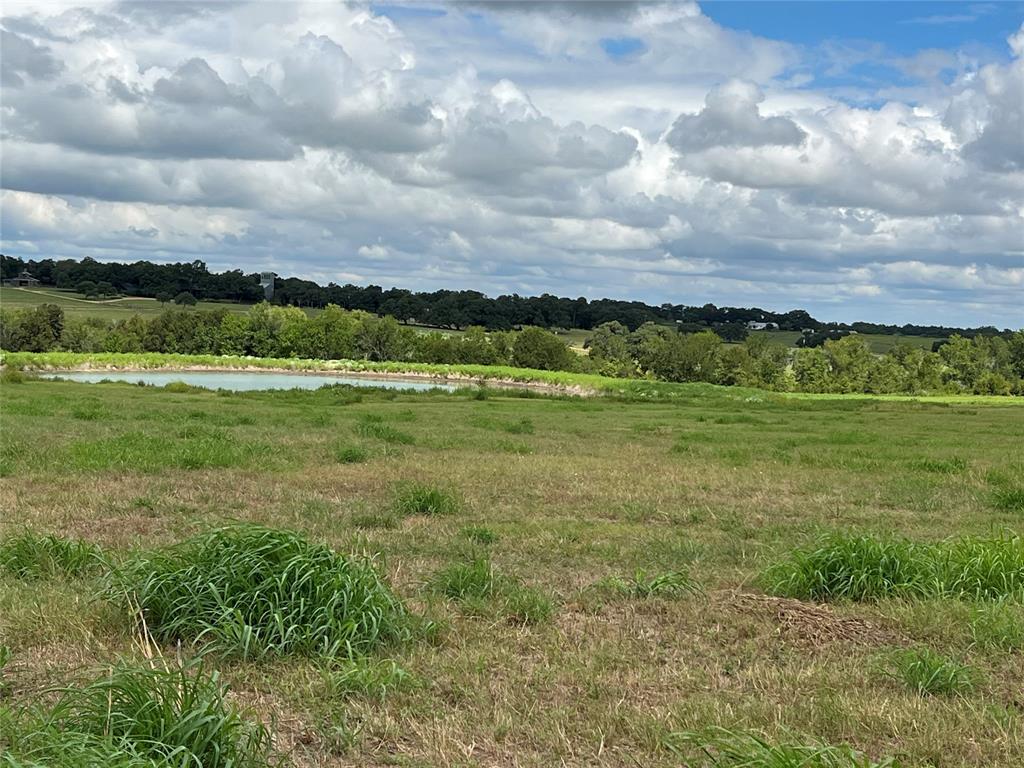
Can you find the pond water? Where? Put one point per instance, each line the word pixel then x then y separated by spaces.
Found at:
pixel 245 381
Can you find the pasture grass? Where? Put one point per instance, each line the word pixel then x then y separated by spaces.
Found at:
pixel 598 677
pixel 730 748
pixel 426 500
pixel 864 567
pixel 256 591
pixel 642 586
pixel 139 716
pixel 929 673
pixel 477 586
pixel 33 556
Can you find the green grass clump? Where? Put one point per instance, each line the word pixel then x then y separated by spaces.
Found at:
pixel 388 434
pixel 422 499
pixel 520 427
pixel 350 454
pixel 930 674
pixel 31 556
pixel 476 585
pixel 642 586
pixel 375 521
pixel 724 748
pixel 940 466
pixel 860 567
pixel 256 591
pixel 365 677
pixel 479 534
pixel 997 625
pixel 138 716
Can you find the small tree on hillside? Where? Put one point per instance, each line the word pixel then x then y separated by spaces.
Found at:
pixel 185 299
pixel 163 297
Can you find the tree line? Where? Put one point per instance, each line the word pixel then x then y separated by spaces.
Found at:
pixel 982 364
pixel 442 309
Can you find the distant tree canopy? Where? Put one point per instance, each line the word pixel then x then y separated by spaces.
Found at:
pixel 442 309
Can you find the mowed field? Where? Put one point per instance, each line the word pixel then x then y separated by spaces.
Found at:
pixel 76 305
pixel 633 540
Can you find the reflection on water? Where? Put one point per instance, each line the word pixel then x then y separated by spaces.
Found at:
pixel 243 381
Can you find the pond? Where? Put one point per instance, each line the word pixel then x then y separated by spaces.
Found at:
pixel 245 381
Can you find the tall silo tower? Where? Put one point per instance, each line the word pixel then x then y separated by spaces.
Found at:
pixel 267 284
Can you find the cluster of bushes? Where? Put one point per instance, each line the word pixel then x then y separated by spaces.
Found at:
pixel 984 364
pixel 990 365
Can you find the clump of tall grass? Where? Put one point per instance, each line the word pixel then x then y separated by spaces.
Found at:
pixel 861 567
pixel 1007 494
pixel 384 432
pixel 928 673
pixel 724 748
pixel 139 716
pixel 476 585
pixel 350 454
pixel 31 556
pixel 365 677
pixel 255 591
pixel 479 534
pixel 520 427
pixel 642 586
pixel 423 499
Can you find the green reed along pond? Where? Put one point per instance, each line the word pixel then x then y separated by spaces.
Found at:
pixel 246 381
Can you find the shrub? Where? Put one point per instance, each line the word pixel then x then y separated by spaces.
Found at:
pixel 723 748
pixel 858 567
pixel 31 556
pixel 640 585
pixel 350 454
pixel 479 534
pixel 254 591
pixel 929 673
pixel 420 499
pixel 137 716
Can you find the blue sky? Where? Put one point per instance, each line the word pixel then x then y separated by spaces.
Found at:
pixel 860 160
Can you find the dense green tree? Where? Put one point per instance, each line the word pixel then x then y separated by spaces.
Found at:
pixel 541 349
pixel 185 299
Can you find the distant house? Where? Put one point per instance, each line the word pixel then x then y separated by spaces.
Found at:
pixel 753 325
pixel 23 280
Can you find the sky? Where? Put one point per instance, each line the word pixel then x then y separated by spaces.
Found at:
pixel 863 161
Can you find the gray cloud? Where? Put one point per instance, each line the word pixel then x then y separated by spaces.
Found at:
pixel 22 58
pixel 731 118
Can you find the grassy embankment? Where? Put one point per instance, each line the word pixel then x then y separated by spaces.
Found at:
pixel 567 382
pixel 580 581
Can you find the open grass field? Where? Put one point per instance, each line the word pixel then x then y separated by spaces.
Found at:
pixel 539 581
pixel 77 305
pixel 879 343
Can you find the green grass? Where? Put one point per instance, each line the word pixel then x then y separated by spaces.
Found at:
pixel 642 586
pixel 140 716
pixel 255 591
pixel 424 499
pixel 928 673
pixel 365 677
pixel 724 748
pixel 861 567
pixel 477 586
pixel 384 432
pixel 350 454
pixel 33 556
pixel 598 677
pixel 479 534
